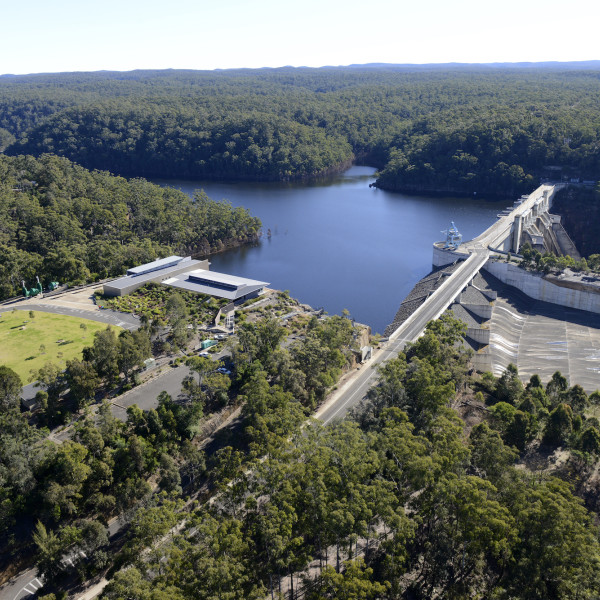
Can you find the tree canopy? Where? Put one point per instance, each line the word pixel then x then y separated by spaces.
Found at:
pixel 67 224
pixel 485 130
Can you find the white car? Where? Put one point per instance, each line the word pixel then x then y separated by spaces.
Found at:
pixel 203 354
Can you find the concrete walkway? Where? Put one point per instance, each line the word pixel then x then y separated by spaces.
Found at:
pixel 94 591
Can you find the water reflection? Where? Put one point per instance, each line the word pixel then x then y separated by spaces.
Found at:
pixel 339 244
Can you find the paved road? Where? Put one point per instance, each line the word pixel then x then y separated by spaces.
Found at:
pixel 29 583
pixel 501 229
pixel 110 317
pixel 24 585
pixel 145 395
pixel 351 394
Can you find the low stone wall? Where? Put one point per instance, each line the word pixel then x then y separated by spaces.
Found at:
pixel 535 285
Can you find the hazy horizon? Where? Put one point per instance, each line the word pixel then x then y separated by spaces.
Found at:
pixel 592 63
pixel 70 36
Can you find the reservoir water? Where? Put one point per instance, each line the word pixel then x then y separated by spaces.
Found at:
pixel 336 243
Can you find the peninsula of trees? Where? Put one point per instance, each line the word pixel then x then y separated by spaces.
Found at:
pixel 65 223
pixel 486 130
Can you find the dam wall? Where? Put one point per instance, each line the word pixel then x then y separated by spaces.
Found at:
pixel 568 293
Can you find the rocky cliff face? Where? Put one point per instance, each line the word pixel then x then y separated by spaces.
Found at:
pixel 580 212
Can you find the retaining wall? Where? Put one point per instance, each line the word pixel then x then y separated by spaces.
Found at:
pixel 538 287
pixel 481 310
pixel 481 336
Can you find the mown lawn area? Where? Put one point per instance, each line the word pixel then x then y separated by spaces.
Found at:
pixel 28 343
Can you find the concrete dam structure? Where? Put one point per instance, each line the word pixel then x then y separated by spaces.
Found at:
pixel 529 220
pixel 541 323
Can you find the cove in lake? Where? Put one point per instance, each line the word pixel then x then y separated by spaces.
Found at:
pixel 336 243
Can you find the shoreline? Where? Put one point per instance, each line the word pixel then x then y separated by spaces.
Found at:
pixel 445 192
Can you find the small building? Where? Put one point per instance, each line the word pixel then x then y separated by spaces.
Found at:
pixel 219 285
pixel 29 402
pixel 149 363
pixel 156 271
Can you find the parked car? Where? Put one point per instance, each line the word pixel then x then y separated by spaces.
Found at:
pixel 203 354
pixel 224 371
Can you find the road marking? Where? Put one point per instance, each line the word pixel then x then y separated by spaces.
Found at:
pixel 368 377
pixel 26 589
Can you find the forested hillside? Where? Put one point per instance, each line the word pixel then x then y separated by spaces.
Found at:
pixel 405 500
pixel 65 223
pixel 442 484
pixel 579 209
pixel 402 502
pixel 493 131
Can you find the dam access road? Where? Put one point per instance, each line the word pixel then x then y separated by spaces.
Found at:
pixel 355 390
pixel 473 255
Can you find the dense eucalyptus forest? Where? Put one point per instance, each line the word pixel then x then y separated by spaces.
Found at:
pixel 403 500
pixel 67 224
pixel 478 129
pixel 443 484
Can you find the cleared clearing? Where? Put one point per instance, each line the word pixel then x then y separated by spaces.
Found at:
pixel 28 343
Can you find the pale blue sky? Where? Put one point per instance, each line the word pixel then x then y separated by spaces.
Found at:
pixel 80 35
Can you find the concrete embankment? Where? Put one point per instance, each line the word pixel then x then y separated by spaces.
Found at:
pixel 539 337
pixel 505 325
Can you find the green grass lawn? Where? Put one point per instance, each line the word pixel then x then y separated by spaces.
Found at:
pixel 22 338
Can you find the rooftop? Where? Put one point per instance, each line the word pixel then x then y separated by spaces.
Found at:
pixel 155 265
pixel 149 275
pixel 212 283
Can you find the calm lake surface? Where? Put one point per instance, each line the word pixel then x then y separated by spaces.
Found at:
pixel 337 243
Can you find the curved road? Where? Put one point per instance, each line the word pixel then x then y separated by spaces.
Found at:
pixel 356 388
pixel 476 255
pixel 110 317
